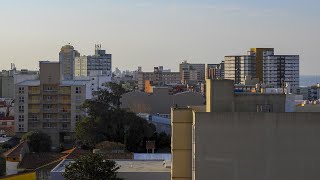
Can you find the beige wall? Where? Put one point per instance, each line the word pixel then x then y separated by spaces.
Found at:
pixel 159 102
pixel 144 175
pixel 49 72
pixel 251 146
pixel 181 147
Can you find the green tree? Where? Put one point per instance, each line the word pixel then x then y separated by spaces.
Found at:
pixel 107 121
pixel 91 166
pixel 37 141
pixel 3 148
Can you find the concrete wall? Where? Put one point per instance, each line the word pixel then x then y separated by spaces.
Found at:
pixel 249 102
pixel 251 146
pixel 49 72
pixel 181 147
pixel 144 175
pixel 159 102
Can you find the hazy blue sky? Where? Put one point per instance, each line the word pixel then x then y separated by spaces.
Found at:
pixel 152 33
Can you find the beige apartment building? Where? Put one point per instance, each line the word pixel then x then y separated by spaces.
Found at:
pixel 243 136
pixel 49 105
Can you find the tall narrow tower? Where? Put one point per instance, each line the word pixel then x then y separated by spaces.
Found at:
pixel 66 58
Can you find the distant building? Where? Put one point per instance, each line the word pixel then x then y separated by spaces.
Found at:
pixel 215 71
pixel 191 72
pixel 160 101
pixel 8 78
pixel 98 64
pixel 263 64
pixel 310 93
pixel 157 77
pixel 67 57
pixel 49 104
pixel 244 136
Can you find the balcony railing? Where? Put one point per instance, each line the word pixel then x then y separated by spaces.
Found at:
pixel 34 92
pixel 65 92
pixel 34 110
pixel 64 101
pixel 34 101
pixel 64 111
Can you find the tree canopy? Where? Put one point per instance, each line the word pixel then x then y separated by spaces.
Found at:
pixel 107 121
pixel 37 141
pixel 91 166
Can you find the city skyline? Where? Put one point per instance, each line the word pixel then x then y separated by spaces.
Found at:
pixel 153 33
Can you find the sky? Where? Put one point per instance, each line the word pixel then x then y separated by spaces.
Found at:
pixel 152 33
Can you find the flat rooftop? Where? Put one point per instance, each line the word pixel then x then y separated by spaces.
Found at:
pixel 127 166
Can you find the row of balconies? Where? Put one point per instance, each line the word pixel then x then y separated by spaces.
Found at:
pixel 61 91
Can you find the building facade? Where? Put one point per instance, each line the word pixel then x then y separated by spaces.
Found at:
pixel 67 57
pixel 215 71
pixel 157 78
pixel 238 67
pixel 98 64
pixel 8 78
pixel 251 137
pixel 49 104
pixel 191 72
pixel 281 69
pixel 262 63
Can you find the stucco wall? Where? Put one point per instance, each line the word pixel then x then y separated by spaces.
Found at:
pixel 160 102
pixel 251 146
pixel 144 175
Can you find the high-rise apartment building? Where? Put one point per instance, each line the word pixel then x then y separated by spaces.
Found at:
pixel 238 67
pixel 281 69
pixel 49 104
pixel 98 64
pixel 191 72
pixel 67 57
pixel 262 63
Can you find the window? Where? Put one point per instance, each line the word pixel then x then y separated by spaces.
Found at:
pixel 78 118
pixel 78 90
pixel 21 127
pixel 21 109
pixel 21 118
pixel 49 98
pixel 21 99
pixel 21 90
pixel 78 107
pixel 48 116
pixel 264 108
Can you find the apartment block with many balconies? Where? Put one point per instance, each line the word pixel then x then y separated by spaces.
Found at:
pixel 49 104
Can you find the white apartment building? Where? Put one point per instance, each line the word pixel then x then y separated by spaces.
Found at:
pixel 89 65
pixel 238 67
pixel 281 69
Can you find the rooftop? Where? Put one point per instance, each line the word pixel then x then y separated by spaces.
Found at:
pixel 126 166
pixel 29 83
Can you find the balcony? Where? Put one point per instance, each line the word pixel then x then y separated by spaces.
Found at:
pixel 65 91
pixel 34 92
pixel 65 119
pixel 53 101
pixel 50 110
pixel 63 101
pixel 49 92
pixel 34 111
pixel 64 111
pixel 34 119
pixel 34 101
